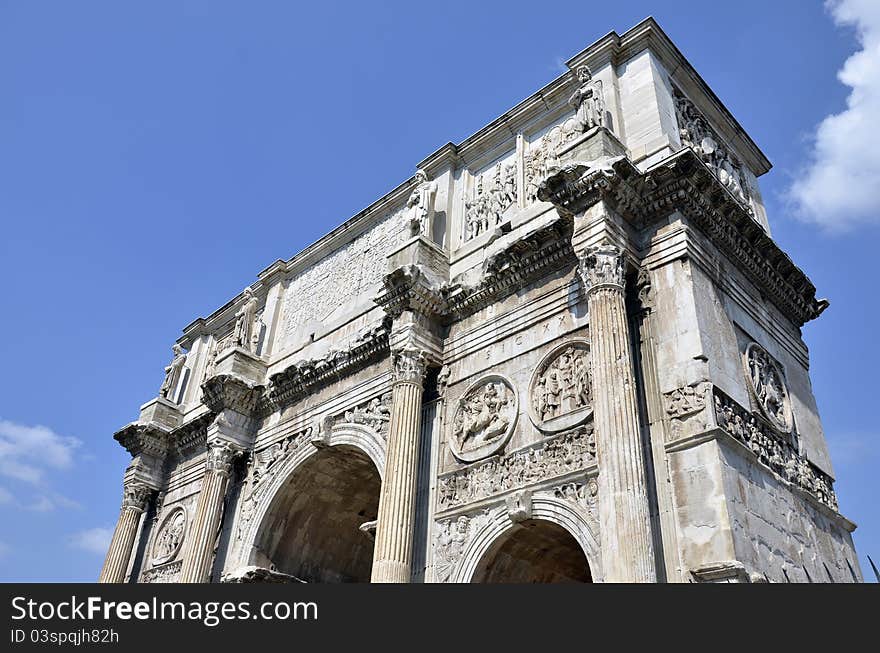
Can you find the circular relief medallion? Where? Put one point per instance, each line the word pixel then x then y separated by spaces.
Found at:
pixel 560 393
pixel 767 385
pixel 484 418
pixel 170 536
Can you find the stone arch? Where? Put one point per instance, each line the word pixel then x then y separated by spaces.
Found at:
pixel 546 508
pixel 345 436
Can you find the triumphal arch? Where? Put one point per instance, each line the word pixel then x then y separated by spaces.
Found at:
pixel 567 349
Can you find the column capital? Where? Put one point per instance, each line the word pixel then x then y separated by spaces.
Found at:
pixel 601 266
pixel 221 454
pixel 410 365
pixel 135 495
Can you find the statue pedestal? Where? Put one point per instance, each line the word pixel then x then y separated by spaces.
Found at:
pixel 593 144
pixel 161 411
pixel 241 363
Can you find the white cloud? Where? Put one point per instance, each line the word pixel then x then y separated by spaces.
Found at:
pixel 93 540
pixel 838 188
pixel 28 452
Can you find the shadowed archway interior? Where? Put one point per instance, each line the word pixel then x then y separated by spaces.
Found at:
pixel 535 551
pixel 312 529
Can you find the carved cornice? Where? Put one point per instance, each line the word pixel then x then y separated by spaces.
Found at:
pixel 148 439
pixel 306 376
pixel 684 183
pixel 192 435
pixel 409 288
pixel 522 262
pixel 227 391
pixel 135 495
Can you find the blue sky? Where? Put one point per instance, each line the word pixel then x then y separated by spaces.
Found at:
pixel 154 157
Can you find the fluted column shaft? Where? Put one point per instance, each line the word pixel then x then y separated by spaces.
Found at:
pixel 624 512
pixel 119 553
pixel 202 539
pixel 392 556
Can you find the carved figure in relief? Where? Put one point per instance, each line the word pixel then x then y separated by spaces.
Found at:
pixel 487 207
pixel 588 101
pixel 769 387
pixel 564 385
pixel 482 418
pixel 173 373
pixel 170 536
pixel 421 203
pixel 244 321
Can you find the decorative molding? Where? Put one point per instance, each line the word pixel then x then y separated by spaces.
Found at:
pixel 192 436
pixel 560 391
pixel 306 376
pixel 521 262
pixel 563 454
pixel 170 536
pixel 516 264
pixel 685 184
pixel 264 464
pixel 773 450
pixel 484 419
pixel 766 383
pixel 727 571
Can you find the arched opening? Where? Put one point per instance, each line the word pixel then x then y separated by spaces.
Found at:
pixel 312 529
pixel 536 551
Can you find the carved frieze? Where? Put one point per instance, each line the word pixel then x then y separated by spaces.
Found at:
pixel 166 573
pixel 685 401
pixel 376 413
pixel 484 418
pixel 491 200
pixel 560 392
pixel 772 449
pixel 767 386
pixel 561 455
pixel 696 134
pixel 169 537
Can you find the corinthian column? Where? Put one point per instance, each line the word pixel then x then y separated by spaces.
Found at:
pixel 392 556
pixel 199 555
pixel 624 516
pixel 134 501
